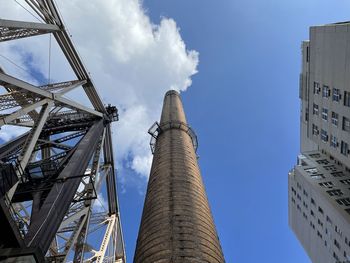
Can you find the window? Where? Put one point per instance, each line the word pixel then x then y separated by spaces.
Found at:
pixel 311 171
pixel 315 155
pixel 336 95
pixel 336 243
pixel 335 256
pixel 326 184
pixel 338 174
pixel 337 230
pixel 324 135
pixel 326 91
pixel 304 215
pixel 312 213
pixel 294 192
pixel 329 220
pixel 335 192
pixel 305 204
pixel 334 141
pixel 346 124
pixel 323 161
pixel 347 181
pixel 320 210
pixel 317 176
pixel 348 211
pixel 319 222
pixel 344 201
pixel 344 148
pixel 312 225
pixel 325 114
pixel 315 109
pixel 315 130
pixel 314 174
pixel 335 117
pixel 346 98
pixel 312 202
pixel 317 88
pixel 330 168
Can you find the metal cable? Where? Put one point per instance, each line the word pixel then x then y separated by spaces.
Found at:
pixel 27 10
pixel 101 203
pixel 12 62
pixel 49 74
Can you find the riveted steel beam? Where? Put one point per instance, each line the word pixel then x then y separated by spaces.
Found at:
pixel 10 29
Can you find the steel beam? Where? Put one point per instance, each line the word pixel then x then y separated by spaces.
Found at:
pixel 111 183
pixel 73 217
pixel 81 241
pixel 42 9
pixel 13 145
pixel 20 84
pixel 74 236
pixel 56 205
pixel 49 144
pixel 21 112
pixel 111 193
pixel 33 136
pixel 64 87
pixel 99 255
pixel 10 29
pixel 48 12
pixel 42 231
pixel 72 86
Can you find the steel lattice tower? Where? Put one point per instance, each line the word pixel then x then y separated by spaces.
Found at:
pixel 58 166
pixel 177 225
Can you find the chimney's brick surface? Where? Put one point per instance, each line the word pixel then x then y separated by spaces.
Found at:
pixel 177 225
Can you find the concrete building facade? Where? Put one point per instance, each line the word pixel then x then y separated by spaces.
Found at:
pixel 319 185
pixel 176 225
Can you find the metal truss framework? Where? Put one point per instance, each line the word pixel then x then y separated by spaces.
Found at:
pixel 51 175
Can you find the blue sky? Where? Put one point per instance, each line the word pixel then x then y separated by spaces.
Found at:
pixel 243 105
pixel 243 102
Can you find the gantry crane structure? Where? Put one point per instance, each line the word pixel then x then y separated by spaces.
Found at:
pixel 50 176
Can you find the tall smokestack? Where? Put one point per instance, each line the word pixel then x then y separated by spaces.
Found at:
pixel 176 224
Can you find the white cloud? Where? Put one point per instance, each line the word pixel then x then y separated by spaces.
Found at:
pixel 141 164
pixel 133 63
pixel 8 132
pixel 100 204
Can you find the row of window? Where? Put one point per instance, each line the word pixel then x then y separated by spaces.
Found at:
pixel 320 223
pixel 333 140
pixel 315 174
pixel 330 184
pixel 335 192
pixel 334 117
pixel 341 201
pixel 335 94
pixel 326 91
pixel 315 155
